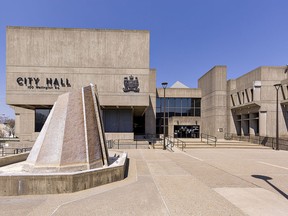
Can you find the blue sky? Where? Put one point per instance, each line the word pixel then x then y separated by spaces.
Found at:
pixel 187 37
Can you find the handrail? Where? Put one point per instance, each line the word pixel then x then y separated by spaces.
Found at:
pixel 12 151
pixel 209 138
pixel 117 143
pixel 260 140
pixel 169 142
pixel 178 142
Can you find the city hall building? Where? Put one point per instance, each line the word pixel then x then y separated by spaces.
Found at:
pixel 43 63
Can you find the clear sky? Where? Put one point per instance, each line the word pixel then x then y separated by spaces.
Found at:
pixel 187 37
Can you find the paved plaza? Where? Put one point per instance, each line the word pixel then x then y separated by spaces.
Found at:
pixel 194 182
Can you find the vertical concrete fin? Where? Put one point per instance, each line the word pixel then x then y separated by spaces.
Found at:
pixel 85 126
pixel 93 135
pixel 100 126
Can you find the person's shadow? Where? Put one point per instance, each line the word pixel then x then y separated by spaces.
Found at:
pixel 266 179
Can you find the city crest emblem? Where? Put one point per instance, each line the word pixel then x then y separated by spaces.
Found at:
pixel 131 84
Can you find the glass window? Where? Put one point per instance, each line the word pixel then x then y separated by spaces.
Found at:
pixel 171 102
pixel 118 120
pixel 158 102
pixel 171 110
pixel 176 107
pixel 193 103
pixel 40 118
pixel 159 115
pixel 177 102
pixel 178 111
pixel 189 102
pixel 192 112
pixel 185 111
pixel 184 102
pixel 197 112
pixel 197 102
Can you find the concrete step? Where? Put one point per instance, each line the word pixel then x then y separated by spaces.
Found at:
pixel 226 145
pixel 196 143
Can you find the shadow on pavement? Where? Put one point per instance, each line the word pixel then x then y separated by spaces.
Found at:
pixel 266 179
pixel 126 168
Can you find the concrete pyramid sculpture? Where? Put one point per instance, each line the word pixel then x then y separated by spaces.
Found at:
pixel 72 138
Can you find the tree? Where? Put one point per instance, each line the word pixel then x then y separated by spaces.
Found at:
pixel 1 133
pixel 10 125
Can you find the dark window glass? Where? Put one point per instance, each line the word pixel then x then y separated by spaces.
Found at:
pixel 158 102
pixel 171 102
pixel 197 112
pixel 193 103
pixel 178 111
pixel 185 111
pixel 178 102
pixel 159 115
pixel 40 118
pixel 192 112
pixel 118 120
pixel 198 102
pixel 166 122
pixel 176 107
pixel 171 110
pixel 189 102
pixel 184 102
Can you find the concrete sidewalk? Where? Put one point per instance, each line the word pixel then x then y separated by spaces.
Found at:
pixel 196 182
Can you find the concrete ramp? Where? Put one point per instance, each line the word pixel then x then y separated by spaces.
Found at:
pixel 72 138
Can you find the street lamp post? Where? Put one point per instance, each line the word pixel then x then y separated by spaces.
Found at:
pixel 277 86
pixel 164 85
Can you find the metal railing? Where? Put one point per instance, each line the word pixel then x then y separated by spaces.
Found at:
pixel 144 142
pixel 12 151
pixel 209 139
pixel 261 140
pixel 127 144
pixel 177 142
pixel 169 143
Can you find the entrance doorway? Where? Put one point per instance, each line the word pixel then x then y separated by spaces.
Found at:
pixel 186 131
pixel 139 125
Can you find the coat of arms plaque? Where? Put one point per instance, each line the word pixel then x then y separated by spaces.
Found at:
pixel 131 84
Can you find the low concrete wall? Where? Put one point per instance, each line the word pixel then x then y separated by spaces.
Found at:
pixel 13 159
pixel 24 184
pixel 115 136
pixel 261 140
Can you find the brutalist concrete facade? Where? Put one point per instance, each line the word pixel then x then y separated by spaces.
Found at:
pixel 213 101
pixel 245 106
pixel 42 63
pixel 251 102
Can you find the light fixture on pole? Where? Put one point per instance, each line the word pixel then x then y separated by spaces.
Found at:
pixel 277 86
pixel 164 85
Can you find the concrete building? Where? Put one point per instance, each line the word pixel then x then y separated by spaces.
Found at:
pixel 42 63
pixel 245 106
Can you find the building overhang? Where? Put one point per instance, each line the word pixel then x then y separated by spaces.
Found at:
pixel 246 106
pixel 284 102
pixel 137 110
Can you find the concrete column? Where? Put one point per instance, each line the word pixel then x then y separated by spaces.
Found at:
pixel 262 123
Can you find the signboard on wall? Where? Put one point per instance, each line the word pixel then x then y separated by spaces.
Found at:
pixel 46 84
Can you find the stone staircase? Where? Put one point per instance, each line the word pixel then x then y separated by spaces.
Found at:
pixel 190 144
pixel 197 144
